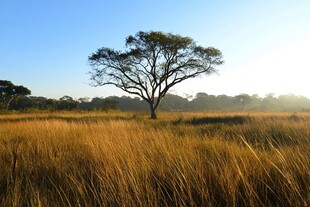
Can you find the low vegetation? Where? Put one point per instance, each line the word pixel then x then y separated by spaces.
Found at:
pixel 127 159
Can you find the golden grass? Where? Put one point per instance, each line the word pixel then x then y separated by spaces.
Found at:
pixel 182 159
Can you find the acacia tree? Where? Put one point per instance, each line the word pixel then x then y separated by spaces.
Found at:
pixel 9 91
pixel 152 63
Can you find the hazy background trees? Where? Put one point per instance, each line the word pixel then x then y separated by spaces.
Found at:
pixel 14 97
pixel 171 102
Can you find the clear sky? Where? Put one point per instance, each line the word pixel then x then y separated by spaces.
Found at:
pixel 44 45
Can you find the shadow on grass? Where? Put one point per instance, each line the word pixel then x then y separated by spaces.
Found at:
pixel 67 119
pixel 218 120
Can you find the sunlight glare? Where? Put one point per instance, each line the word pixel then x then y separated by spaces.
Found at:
pixel 282 71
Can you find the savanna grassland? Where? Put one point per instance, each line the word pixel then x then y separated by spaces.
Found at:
pixel 181 159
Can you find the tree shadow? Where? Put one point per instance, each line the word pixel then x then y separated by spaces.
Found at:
pixel 230 120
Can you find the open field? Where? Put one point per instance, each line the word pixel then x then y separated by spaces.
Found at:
pixel 181 159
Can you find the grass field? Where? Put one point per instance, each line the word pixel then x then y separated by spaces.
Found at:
pixel 181 159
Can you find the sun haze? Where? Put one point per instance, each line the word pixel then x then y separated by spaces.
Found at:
pixel 45 45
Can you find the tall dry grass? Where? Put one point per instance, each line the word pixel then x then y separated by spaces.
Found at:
pixel 183 159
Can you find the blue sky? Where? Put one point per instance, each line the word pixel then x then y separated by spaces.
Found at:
pixel 44 45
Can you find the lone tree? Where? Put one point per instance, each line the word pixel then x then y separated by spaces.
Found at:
pixel 152 63
pixel 9 91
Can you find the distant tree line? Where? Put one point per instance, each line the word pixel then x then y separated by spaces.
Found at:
pixel 17 97
pixel 242 102
pixel 201 102
pixel 42 103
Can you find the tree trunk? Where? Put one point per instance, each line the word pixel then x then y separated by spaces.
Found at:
pixel 8 104
pixel 153 112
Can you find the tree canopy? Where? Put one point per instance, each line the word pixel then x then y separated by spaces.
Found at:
pixel 152 63
pixel 8 91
